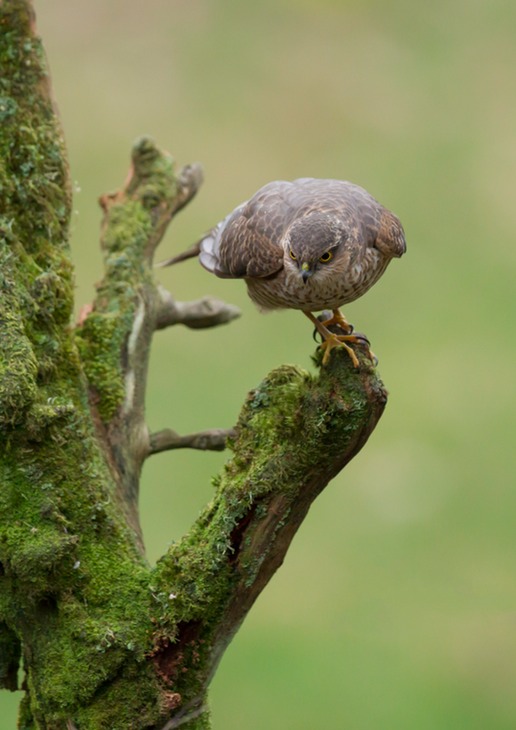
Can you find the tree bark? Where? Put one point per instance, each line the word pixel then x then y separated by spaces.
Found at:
pixel 106 640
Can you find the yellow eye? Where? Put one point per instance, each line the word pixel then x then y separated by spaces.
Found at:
pixel 293 255
pixel 326 257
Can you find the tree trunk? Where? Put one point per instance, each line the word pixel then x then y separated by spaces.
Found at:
pixel 108 642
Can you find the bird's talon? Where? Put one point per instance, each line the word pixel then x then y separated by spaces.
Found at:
pixel 332 341
pixel 362 339
pixel 338 341
pixel 338 320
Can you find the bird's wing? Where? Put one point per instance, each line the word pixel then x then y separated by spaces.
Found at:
pixel 390 238
pixel 367 220
pixel 248 242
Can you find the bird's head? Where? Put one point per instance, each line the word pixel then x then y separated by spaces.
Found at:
pixel 312 244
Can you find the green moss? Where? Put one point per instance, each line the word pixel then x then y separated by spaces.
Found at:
pixel 100 340
pixel 127 234
pixel 69 562
pixel 90 637
pixel 36 276
pixel 18 369
pixel 197 578
pixel 73 584
pixel 71 570
pixel 18 364
pixel 30 148
pixel 52 295
pixel 103 335
pixel 195 573
pixel 130 701
pixel 37 556
pixel 269 457
pixel 127 231
pixel 270 418
pixel 154 174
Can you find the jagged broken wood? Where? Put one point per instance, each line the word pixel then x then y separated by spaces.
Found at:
pixel 106 640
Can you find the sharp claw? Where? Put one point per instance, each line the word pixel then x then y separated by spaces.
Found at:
pixel 359 336
pixel 335 322
pixel 345 341
pixel 336 331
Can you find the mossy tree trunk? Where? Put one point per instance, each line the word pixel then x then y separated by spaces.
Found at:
pixel 107 641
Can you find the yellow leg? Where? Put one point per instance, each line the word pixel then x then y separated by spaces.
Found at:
pixel 339 319
pixel 339 341
pixel 331 340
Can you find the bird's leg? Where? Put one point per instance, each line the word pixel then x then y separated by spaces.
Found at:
pixel 340 320
pixel 331 340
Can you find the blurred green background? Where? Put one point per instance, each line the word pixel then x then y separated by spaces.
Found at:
pixel 395 607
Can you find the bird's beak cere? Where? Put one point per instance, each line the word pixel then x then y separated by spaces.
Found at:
pixel 306 271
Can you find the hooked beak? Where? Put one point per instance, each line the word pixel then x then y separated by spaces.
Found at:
pixel 306 271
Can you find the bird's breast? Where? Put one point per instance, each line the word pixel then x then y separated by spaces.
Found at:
pixel 329 288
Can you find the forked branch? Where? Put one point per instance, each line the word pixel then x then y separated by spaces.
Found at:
pixel 106 640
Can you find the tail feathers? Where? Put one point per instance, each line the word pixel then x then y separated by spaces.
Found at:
pixel 190 253
pixel 206 248
pixel 207 256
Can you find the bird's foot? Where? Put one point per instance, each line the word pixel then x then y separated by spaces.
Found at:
pixel 342 341
pixel 363 341
pixel 336 323
pixel 331 339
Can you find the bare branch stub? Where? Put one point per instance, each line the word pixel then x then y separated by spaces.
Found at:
pixel 211 440
pixel 197 314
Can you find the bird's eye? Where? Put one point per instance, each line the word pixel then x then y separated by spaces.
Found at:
pixel 293 255
pixel 327 256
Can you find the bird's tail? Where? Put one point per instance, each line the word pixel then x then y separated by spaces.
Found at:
pixel 190 253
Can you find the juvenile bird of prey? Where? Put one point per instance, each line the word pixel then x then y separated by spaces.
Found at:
pixel 309 244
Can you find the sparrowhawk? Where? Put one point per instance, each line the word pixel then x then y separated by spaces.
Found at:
pixel 310 244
